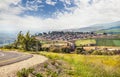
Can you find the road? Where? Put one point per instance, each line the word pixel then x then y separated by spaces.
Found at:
pixel 7 58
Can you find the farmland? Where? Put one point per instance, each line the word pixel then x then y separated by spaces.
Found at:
pixel 108 42
pixel 85 42
pixel 99 42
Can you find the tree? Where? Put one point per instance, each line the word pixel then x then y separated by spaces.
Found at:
pixel 27 42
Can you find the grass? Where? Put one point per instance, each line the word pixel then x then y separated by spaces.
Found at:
pixel 84 42
pixel 108 42
pixel 98 42
pixel 89 65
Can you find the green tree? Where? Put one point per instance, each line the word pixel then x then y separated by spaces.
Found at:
pixel 27 42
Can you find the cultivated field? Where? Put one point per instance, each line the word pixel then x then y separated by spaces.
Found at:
pixel 85 42
pixel 99 42
pixel 108 42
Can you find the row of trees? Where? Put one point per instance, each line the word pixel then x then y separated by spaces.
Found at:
pixel 62 49
pixel 81 50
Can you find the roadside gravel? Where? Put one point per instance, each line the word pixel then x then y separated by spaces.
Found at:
pixel 10 70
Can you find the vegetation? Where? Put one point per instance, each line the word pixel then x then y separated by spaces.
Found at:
pixel 64 49
pixel 84 42
pixel 50 68
pixel 108 42
pixel 98 42
pixel 80 50
pixel 90 65
pixel 24 72
pixel 111 31
pixel 25 42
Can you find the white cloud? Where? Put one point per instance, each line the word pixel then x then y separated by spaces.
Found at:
pixel 50 2
pixel 5 8
pixel 33 5
pixel 101 11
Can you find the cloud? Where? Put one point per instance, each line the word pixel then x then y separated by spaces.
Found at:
pixel 50 2
pixel 85 14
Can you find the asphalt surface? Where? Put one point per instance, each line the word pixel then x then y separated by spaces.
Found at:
pixel 7 58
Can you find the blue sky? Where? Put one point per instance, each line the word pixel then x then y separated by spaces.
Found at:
pixel 45 8
pixel 47 15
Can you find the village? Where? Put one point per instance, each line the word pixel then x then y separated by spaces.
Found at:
pixel 90 41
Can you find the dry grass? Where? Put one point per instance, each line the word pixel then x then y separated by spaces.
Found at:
pixel 90 65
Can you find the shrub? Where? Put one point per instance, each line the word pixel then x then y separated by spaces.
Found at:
pixel 24 72
pixel 105 52
pixel 45 65
pixel 55 49
pixel 7 47
pixel 65 49
pixel 39 75
pixel 80 50
pixel 90 51
pixel 46 49
pixel 97 52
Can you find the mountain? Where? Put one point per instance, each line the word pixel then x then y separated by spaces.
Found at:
pixel 6 38
pixel 114 30
pixel 107 27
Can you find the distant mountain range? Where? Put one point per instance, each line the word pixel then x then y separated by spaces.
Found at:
pixel 6 38
pixel 113 27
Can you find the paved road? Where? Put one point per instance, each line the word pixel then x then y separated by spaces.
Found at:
pixel 12 57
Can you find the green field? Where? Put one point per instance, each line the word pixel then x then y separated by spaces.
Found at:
pixel 85 42
pixel 88 65
pixel 108 42
pixel 99 42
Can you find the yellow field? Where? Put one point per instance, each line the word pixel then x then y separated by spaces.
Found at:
pixel 89 65
pixel 85 42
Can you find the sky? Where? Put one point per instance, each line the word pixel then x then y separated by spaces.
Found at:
pixel 48 15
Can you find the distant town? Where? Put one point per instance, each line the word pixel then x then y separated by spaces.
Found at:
pixel 70 36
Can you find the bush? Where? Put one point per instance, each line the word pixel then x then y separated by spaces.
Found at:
pixel 55 49
pixel 45 49
pixel 7 47
pixel 80 50
pixel 90 51
pixel 97 52
pixel 39 75
pixel 105 52
pixel 65 49
pixel 24 72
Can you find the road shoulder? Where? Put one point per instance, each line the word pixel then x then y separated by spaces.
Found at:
pixel 10 70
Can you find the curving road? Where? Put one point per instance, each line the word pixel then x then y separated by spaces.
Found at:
pixel 12 57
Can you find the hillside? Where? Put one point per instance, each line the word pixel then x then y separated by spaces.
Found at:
pixel 115 30
pixel 6 38
pixel 107 27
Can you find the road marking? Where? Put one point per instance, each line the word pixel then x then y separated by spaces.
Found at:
pixel 2 54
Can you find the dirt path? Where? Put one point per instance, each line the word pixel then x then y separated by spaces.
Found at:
pixel 10 70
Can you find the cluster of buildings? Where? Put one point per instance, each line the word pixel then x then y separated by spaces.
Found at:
pixel 68 36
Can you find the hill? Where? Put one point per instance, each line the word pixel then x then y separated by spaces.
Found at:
pixel 106 27
pixel 114 30
pixel 6 38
